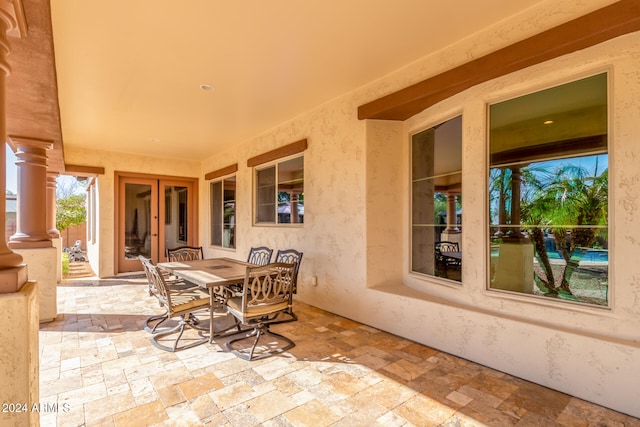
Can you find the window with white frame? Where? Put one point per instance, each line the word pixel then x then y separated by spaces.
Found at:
pixel 436 200
pixel 548 193
pixel 223 212
pixel 279 192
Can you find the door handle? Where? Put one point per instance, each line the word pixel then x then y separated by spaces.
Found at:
pixel 154 235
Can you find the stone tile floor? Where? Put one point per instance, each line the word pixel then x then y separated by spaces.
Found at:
pixel 98 366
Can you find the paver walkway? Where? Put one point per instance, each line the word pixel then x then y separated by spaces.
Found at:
pixel 98 366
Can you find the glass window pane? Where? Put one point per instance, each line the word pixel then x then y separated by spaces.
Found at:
pixel 229 214
pixel 216 213
pixel 280 193
pixel 548 193
pixel 137 222
pixel 223 212
pixel 291 191
pixel 265 195
pixel 436 201
pixel 183 214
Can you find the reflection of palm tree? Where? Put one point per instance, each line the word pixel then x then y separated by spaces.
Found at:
pixel 534 208
pixel 500 189
pixel 572 204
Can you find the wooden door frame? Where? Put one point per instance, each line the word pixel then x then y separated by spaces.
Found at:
pixel 193 212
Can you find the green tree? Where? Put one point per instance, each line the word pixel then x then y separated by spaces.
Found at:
pixel 571 202
pixel 70 211
pixel 70 203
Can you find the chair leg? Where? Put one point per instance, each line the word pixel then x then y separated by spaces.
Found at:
pixel 161 318
pixel 156 320
pixel 292 318
pixel 179 328
pixel 259 331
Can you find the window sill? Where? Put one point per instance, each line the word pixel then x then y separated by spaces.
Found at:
pixel 404 291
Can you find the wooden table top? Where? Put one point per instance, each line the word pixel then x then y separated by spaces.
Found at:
pixel 208 273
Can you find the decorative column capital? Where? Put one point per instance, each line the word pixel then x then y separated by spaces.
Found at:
pixel 12 13
pixel 12 23
pixel 19 143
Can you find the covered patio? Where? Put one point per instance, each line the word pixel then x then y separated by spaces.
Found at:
pixel 98 366
pixel 198 125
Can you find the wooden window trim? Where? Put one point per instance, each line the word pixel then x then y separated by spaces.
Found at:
pixel 278 153
pixel 612 21
pixel 228 170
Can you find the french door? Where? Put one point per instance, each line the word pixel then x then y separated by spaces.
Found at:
pixel 154 213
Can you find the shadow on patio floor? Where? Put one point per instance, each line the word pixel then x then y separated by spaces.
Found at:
pixel 97 359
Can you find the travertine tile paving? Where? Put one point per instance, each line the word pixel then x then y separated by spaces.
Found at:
pixel 97 364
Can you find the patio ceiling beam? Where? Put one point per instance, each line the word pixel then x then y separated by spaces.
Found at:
pixel 622 17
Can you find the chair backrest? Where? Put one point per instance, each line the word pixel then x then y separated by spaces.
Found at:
pixel 146 266
pixel 291 256
pixel 447 247
pixel 260 255
pixel 267 289
pixel 185 253
pixel 157 284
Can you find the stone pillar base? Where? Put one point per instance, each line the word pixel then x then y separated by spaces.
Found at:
pixel 19 364
pixel 43 266
pixel 514 268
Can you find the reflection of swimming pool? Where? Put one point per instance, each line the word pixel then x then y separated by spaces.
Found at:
pixel 589 255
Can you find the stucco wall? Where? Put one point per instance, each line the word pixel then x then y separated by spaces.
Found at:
pixel 333 235
pixel 356 231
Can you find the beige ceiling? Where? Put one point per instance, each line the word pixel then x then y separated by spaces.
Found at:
pixel 129 72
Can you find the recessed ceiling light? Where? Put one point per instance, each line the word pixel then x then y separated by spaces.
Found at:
pixel 548 122
pixel 207 87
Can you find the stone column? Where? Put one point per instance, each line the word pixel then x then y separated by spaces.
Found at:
pixel 19 364
pixel 293 205
pixel 32 239
pixel 451 213
pixel 13 274
pixel 56 238
pixel 51 205
pixel 32 193
pixel 514 267
pixel 452 233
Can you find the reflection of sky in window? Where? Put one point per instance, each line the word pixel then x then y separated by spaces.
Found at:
pixel 593 165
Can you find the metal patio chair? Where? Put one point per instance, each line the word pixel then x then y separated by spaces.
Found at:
pixel 185 253
pixel 181 300
pixel 266 292
pixel 260 255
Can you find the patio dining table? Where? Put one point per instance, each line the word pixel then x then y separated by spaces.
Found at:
pixel 455 256
pixel 209 274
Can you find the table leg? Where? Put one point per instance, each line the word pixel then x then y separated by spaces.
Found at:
pixel 211 315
